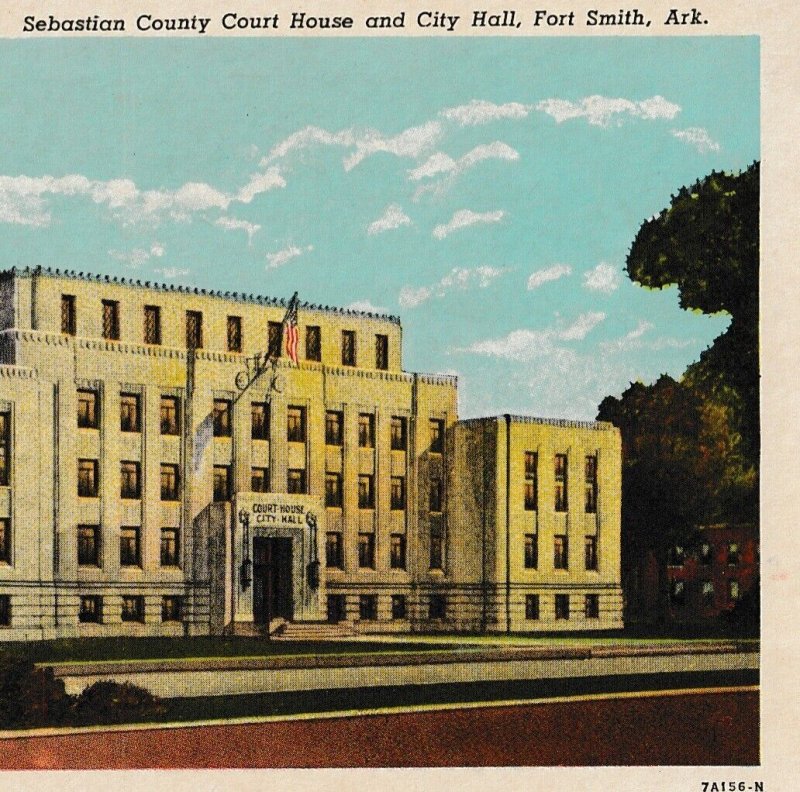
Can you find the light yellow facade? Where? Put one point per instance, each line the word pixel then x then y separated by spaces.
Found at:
pixel 400 548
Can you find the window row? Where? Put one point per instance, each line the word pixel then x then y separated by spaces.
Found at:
pixel 591 606
pixel 398 431
pixel 130 546
pixel 560 552
pixel 151 332
pixel 368 607
pixel 704 553
pixel 334 550
pixel 560 475
pixel 679 590
pixel 366 492
pixel 91 609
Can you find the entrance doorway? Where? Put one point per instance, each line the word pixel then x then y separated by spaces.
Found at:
pixel 272 579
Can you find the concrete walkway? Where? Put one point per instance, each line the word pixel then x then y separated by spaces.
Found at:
pixel 233 676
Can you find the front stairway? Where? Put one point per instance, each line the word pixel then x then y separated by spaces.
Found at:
pixel 314 631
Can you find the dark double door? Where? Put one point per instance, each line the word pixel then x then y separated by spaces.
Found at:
pixel 272 579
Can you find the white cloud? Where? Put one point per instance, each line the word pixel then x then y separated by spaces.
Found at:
pixel 635 340
pixel 412 142
pixel 479 111
pixel 604 278
pixel 439 164
pixel 234 224
pixel 392 218
pixel 540 277
pixel 306 137
pixel 600 110
pixel 458 278
pixel 366 307
pixel 172 272
pixel 261 183
pixel 138 256
pixel 697 137
pixel 464 218
pixel 281 257
pixel 525 345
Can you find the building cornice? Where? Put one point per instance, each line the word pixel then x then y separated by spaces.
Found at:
pixel 240 297
pixel 564 423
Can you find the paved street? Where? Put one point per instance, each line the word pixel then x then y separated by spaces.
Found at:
pixel 679 728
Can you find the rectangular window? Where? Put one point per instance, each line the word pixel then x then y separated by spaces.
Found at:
pixel 591 606
pixel 437 606
pixel 398 430
pixel 194 330
pixel 259 479
pixel 532 607
pixel 130 480
pixel 590 554
pixel 561 504
pixel 296 482
pixel 296 425
pixel 259 421
pixel 733 554
pixel 348 348
pixel 590 499
pixel 368 607
pixel 5 448
pixel 531 551
pixel 366 550
pixel 274 339
pixel 313 343
pixel 129 413
pixel 222 418
pixel 89 545
pixel 398 606
pixel 170 483
pixel 170 547
pixel 91 610
pixel 171 609
pixel 707 594
pixel 333 490
pixel 676 556
pixel 531 480
pixel 88 409
pixel 435 495
pixel 437 436
pixel 334 422
pixel 222 483
pixel 5 610
pixel 366 430
pixel 398 492
pixel 437 551
pixel 152 324
pixel 133 609
pixel 397 558
pixel 706 554
pixel 562 606
pixel 677 593
pixel 560 552
pixel 337 608
pixel 170 415
pixel 381 352
pixel 88 478
pixel 5 540
pixel 111 320
pixel 334 555
pixel 234 334
pixel 366 492
pixel 129 547
pixel 68 314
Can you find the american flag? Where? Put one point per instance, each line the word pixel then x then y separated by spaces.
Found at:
pixel 292 334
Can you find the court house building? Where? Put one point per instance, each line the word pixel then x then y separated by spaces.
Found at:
pixel 178 461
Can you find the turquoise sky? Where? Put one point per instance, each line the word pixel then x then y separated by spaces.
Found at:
pixel 485 190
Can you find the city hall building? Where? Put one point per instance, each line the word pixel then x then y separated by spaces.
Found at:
pixel 167 469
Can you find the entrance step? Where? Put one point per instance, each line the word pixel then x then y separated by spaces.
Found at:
pixel 314 631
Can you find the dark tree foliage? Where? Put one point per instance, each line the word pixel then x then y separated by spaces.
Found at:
pixel 29 696
pixel 690 447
